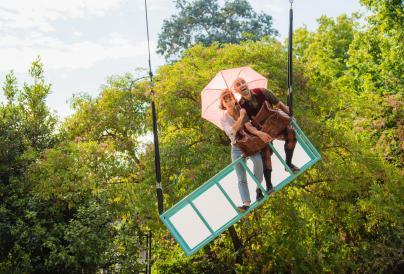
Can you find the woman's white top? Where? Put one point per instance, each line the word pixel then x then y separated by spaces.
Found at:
pixel 227 123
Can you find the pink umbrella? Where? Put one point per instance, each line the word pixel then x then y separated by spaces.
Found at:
pixel 224 79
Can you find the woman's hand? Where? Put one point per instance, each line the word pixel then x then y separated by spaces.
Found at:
pixel 265 137
pixel 240 121
pixel 243 113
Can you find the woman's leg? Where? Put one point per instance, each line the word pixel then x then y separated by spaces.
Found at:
pixel 258 172
pixel 258 167
pixel 241 175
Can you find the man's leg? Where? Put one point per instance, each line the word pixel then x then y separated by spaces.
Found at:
pixel 266 154
pixel 290 144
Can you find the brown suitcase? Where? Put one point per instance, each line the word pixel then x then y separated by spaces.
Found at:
pixel 248 143
pixel 270 120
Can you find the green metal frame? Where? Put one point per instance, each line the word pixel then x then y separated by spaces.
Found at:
pixel 215 181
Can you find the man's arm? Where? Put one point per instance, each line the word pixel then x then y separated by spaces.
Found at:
pixel 275 101
pixel 270 96
pixel 283 107
pixel 263 136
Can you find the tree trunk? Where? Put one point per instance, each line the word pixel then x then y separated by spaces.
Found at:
pixel 237 244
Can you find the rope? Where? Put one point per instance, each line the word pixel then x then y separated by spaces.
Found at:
pixel 148 43
pixel 290 65
pixel 159 189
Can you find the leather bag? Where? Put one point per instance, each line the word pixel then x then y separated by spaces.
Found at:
pixel 248 143
pixel 271 121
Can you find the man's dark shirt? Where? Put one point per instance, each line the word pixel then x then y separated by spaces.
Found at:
pixel 258 96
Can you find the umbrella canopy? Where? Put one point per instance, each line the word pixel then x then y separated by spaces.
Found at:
pixel 224 79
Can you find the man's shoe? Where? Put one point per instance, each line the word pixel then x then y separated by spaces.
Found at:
pixel 243 208
pixel 267 176
pixel 260 196
pixel 294 168
pixel 270 189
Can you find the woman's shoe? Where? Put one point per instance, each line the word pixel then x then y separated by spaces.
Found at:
pixel 260 196
pixel 243 208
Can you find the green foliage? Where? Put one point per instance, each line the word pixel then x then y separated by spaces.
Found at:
pixel 118 114
pixel 26 128
pixel 366 60
pixel 206 22
pixel 319 223
pixel 387 13
pixel 65 199
pixel 377 67
pixel 84 185
pixel 79 200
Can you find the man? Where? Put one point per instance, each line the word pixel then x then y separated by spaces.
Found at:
pixel 252 101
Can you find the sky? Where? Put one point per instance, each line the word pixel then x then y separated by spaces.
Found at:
pixel 83 42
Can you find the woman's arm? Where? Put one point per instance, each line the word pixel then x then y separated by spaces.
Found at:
pixel 240 121
pixel 263 136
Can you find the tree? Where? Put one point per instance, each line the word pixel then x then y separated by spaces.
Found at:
pixel 331 219
pixel 67 199
pixel 26 129
pixel 90 182
pixel 206 22
pixel 377 65
pixel 77 200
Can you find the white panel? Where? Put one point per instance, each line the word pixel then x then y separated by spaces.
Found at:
pixel 190 226
pixel 230 185
pixel 215 208
pixel 279 173
pixel 300 157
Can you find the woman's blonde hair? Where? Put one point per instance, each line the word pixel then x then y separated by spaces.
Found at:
pixel 226 92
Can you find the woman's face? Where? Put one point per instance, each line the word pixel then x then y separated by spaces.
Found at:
pixel 228 101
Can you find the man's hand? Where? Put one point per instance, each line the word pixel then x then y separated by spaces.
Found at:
pixel 283 107
pixel 265 137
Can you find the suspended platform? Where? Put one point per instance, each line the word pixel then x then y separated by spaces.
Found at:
pixel 209 210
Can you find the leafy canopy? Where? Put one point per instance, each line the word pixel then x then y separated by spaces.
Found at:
pixel 76 200
pixel 205 22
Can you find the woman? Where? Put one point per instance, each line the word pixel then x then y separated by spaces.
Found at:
pixel 233 119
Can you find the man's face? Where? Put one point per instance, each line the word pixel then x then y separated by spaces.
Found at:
pixel 241 87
